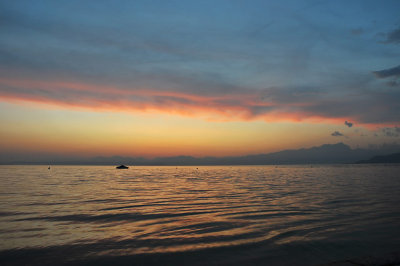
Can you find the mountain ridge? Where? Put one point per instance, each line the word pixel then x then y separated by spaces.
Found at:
pixel 390 158
pixel 323 154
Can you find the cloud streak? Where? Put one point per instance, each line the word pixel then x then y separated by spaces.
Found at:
pixel 267 104
pixel 337 134
pixel 389 72
pixel 391 131
pixel 393 36
pixel 193 65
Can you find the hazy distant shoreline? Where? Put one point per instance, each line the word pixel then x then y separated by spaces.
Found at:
pixel 325 154
pixel 140 165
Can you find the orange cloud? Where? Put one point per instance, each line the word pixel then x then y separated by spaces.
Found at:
pixel 219 107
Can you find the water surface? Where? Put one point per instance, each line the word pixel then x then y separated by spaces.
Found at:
pixel 276 215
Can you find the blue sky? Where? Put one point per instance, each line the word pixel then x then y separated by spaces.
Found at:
pixel 273 61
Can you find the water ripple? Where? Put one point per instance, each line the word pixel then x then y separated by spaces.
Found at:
pixel 286 215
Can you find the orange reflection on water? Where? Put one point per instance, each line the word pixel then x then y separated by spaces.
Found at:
pixel 176 209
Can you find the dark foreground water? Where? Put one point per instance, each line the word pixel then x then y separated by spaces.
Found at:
pixel 285 215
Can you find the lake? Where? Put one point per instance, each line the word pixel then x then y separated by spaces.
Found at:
pixel 197 215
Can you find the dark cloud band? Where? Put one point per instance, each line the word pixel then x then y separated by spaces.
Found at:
pixel 390 72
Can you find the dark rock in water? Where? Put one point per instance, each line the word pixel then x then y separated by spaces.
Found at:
pixel 122 167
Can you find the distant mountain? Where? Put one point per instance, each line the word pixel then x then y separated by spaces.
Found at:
pixel 391 158
pixel 325 154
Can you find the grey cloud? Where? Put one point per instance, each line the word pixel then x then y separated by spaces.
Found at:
pixel 186 91
pixel 393 36
pixel 292 95
pixel 382 106
pixel 393 83
pixel 389 72
pixel 132 60
pixel 349 124
pixel 152 59
pixel 337 134
pixel 391 131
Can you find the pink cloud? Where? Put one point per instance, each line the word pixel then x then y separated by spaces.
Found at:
pixel 223 107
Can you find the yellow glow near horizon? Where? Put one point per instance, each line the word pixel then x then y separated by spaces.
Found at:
pixel 84 133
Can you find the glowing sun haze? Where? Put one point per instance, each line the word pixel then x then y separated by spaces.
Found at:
pixel 220 78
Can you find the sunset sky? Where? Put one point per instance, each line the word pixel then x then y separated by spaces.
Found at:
pixel 161 78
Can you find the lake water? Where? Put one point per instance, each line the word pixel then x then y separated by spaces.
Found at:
pixel 197 215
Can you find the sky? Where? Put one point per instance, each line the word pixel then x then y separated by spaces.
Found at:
pixel 218 78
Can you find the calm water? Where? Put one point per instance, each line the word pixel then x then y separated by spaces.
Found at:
pixel 285 215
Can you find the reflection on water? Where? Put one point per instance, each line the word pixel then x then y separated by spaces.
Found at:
pixel 188 215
